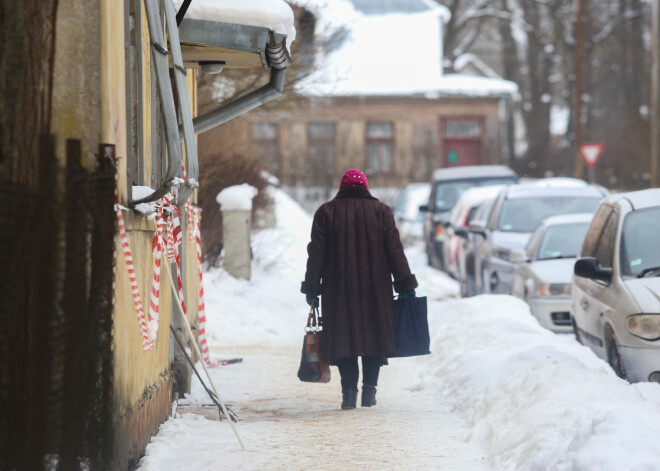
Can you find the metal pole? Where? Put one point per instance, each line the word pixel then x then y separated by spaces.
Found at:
pixel 655 94
pixel 193 341
pixel 579 51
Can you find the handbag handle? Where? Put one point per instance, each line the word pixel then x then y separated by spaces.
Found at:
pixel 314 322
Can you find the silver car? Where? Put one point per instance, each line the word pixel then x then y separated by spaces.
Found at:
pixel 461 263
pixel 543 276
pixel 409 219
pixel 515 214
pixel 616 287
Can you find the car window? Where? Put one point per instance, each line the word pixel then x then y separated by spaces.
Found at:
pixel 605 246
pixel 532 245
pixel 446 193
pixel 482 212
pixel 524 214
pixel 640 241
pixel 471 214
pixel 594 231
pixel 562 241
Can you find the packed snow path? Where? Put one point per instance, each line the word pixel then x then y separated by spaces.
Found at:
pixel 289 425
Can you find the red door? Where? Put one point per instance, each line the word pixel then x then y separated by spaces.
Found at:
pixel 462 140
pixel 460 152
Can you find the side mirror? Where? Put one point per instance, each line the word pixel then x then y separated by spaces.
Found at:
pixel 423 208
pixel 588 267
pixel 518 256
pixel 477 228
pixel 461 232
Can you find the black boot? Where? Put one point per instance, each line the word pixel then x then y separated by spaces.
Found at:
pixel 368 396
pixel 349 399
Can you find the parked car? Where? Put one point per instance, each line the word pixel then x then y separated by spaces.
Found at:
pixel 616 287
pixel 515 214
pixel 460 254
pixel 408 217
pixel 446 187
pixel 543 276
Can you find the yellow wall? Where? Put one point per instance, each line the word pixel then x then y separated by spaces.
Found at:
pixel 76 108
pixel 136 370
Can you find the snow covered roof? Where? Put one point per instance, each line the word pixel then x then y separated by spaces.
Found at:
pixel 393 55
pixel 384 7
pixel 468 60
pixel 275 15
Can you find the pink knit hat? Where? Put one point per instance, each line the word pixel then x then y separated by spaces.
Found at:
pixel 353 177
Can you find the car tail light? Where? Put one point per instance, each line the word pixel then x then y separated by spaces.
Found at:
pixel 439 230
pixel 645 326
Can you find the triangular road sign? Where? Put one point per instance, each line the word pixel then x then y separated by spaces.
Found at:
pixel 590 152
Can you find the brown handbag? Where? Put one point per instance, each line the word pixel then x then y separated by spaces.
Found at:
pixel 313 369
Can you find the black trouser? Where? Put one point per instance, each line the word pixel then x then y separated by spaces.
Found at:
pixel 349 372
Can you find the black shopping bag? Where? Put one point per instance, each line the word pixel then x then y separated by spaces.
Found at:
pixel 411 326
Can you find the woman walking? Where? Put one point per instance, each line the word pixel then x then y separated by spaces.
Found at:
pixel 354 252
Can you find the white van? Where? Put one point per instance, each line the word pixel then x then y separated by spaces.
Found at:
pixel 616 287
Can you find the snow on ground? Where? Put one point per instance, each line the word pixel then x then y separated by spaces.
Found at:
pixel 498 391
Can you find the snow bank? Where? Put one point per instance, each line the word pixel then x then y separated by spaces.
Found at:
pixel 278 268
pixel 539 400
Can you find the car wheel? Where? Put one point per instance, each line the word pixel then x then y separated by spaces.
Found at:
pixel 614 356
pixel 576 332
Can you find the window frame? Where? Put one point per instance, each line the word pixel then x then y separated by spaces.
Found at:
pixel 313 175
pixel 380 141
pixel 266 158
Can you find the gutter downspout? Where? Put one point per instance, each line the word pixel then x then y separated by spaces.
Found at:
pixel 278 58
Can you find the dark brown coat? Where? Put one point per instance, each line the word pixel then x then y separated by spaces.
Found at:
pixel 354 252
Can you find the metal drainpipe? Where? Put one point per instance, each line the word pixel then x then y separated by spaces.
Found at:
pixel 278 60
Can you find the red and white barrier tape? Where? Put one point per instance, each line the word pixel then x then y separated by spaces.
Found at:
pixel 157 257
pixel 201 310
pixel 149 328
pixel 147 342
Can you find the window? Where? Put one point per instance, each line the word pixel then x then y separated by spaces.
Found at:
pixel 463 128
pixel 524 214
pixel 265 146
pixel 605 248
pixel 595 229
pixel 640 244
pixel 321 154
pixel 562 241
pixel 380 147
pixel 146 156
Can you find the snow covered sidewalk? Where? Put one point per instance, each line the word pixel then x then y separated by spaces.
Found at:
pixel 498 391
pixel 289 425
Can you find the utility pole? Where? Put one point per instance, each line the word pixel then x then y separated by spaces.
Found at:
pixel 655 94
pixel 579 52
